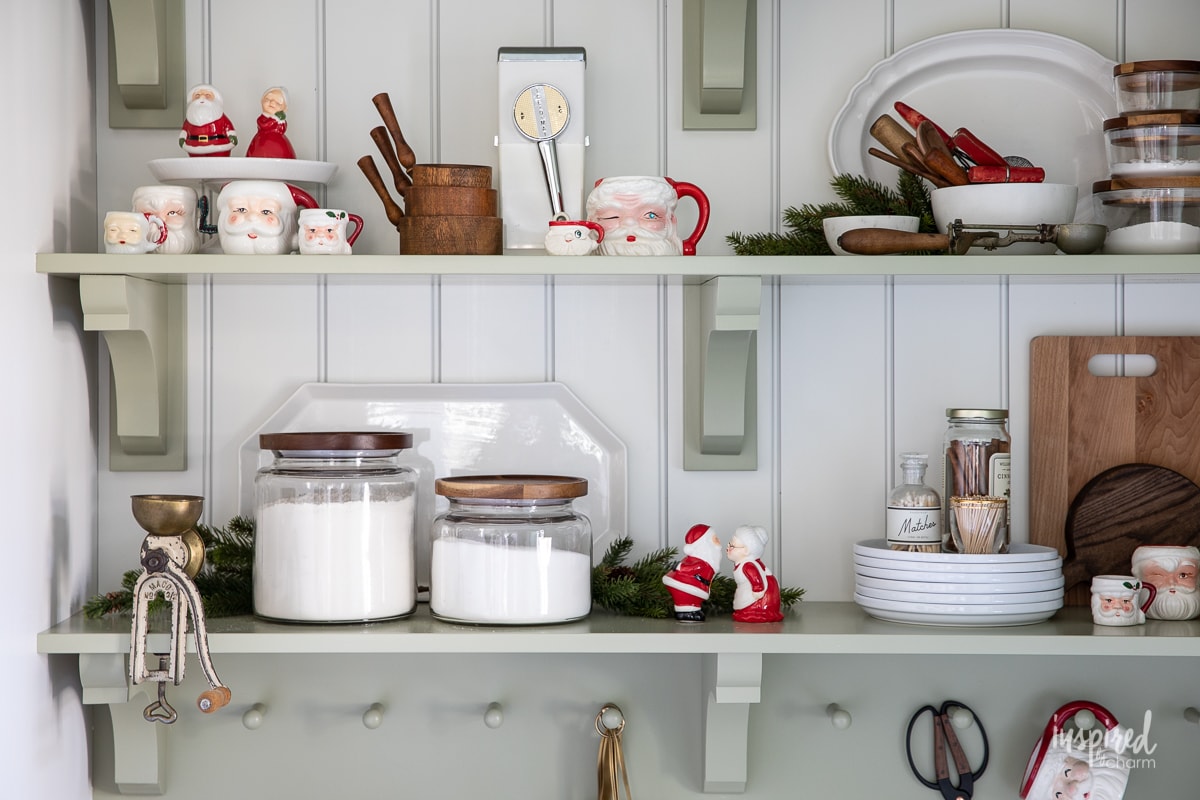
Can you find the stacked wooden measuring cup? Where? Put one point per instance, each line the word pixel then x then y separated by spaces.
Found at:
pixel 449 209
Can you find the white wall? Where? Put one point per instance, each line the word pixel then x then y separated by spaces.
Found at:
pixel 851 372
pixel 49 474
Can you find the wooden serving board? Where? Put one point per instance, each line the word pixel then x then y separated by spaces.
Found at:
pixel 1081 425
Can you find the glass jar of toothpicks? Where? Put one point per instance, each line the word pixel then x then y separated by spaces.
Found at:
pixel 977 524
pixel 914 509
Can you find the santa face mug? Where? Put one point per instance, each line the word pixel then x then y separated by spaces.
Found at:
pixel 131 233
pixel 1171 569
pixel 323 231
pixel 637 213
pixel 571 237
pixel 176 206
pixel 1116 600
pixel 260 217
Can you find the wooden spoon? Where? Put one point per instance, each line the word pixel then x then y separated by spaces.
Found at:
pixel 394 212
pixel 936 155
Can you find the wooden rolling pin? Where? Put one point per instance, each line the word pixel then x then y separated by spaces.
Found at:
pixel 404 153
pixel 390 207
pixel 892 135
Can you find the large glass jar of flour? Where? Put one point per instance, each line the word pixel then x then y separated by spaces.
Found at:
pixel 334 519
pixel 511 550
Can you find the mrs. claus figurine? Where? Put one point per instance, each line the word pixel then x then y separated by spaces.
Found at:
pixel 690 581
pixel 756 596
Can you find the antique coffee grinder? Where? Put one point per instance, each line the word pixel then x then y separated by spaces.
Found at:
pixel 172 554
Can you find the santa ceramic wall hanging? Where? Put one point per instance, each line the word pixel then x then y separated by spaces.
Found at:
pixel 690 581
pixel 756 598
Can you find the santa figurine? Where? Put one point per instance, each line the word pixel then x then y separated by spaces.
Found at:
pixel 206 130
pixel 690 581
pixel 756 596
pixel 271 140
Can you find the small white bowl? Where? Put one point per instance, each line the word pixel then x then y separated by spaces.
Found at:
pixel 1001 205
pixel 836 226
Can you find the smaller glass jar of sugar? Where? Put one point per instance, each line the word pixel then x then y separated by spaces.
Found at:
pixel 334 528
pixel 511 550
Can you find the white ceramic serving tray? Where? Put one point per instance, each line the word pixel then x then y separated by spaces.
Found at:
pixel 466 429
pixel 198 170
pixel 963 587
pixel 1017 554
pixel 1024 92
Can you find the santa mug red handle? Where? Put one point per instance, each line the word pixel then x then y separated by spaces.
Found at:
pixel 684 189
pixel 1053 729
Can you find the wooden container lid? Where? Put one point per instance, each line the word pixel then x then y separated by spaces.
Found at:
pixel 327 441
pixel 1164 65
pixel 511 487
pixel 1145 118
pixel 1157 182
pixel 474 175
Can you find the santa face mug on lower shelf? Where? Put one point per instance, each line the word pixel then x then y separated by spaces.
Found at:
pixel 1117 600
pixel 323 231
pixel 176 206
pixel 637 213
pixel 1171 569
pixel 573 237
pixel 259 217
pixel 131 233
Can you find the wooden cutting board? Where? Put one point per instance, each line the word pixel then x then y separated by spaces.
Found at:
pixel 1082 424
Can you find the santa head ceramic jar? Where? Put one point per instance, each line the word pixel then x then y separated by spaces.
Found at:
pixel 260 217
pixel 1171 569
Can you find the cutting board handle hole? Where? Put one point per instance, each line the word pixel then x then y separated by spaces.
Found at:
pixel 1122 365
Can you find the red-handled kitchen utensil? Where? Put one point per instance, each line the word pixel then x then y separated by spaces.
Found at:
pixel 973 148
pixel 1006 174
pixel 1064 764
pixel 915 118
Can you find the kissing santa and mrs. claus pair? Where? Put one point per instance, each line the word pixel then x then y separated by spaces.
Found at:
pixel 756 596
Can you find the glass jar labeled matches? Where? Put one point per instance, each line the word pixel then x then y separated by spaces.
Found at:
pixel 334 524
pixel 977 463
pixel 914 510
pixel 511 550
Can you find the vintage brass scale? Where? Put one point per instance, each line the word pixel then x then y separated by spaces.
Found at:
pixel 171 554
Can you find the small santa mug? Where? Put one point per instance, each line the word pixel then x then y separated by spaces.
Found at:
pixel 1171 569
pixel 323 231
pixel 132 233
pixel 1115 600
pixel 637 213
pixel 573 237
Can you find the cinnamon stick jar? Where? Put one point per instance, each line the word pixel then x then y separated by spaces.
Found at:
pixel 976 463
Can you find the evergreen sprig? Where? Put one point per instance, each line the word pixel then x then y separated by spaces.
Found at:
pixel 225 582
pixel 858 195
pixel 637 590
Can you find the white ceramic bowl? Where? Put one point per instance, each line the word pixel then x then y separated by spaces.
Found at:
pixel 959 587
pixel 997 205
pixel 836 226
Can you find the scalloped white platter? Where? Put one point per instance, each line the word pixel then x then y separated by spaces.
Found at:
pixel 963 587
pixel 465 429
pixel 231 168
pixel 1017 553
pixel 1024 92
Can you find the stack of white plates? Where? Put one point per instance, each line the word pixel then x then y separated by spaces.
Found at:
pixel 1020 587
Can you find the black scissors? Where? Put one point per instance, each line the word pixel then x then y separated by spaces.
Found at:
pixel 944 738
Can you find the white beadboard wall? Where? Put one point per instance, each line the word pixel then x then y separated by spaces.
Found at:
pixel 851 372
